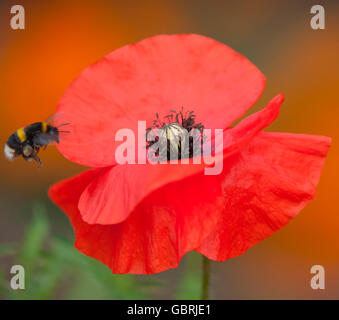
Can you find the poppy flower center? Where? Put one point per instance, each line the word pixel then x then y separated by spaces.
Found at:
pixel 175 136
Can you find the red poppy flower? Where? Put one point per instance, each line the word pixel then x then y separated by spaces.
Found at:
pixel 143 218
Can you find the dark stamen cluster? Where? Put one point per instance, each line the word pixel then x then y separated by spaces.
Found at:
pixel 172 123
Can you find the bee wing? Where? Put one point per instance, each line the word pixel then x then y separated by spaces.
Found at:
pixel 54 117
pixel 50 119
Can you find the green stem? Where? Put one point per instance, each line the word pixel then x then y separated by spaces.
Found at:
pixel 205 278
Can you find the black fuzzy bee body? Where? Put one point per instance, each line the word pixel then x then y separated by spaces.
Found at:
pixel 27 141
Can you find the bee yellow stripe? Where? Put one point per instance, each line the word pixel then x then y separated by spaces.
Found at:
pixel 43 127
pixel 21 134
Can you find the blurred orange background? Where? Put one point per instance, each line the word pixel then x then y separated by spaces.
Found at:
pixel 63 37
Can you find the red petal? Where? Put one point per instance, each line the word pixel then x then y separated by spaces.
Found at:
pixel 157 74
pixel 132 183
pixel 268 183
pixel 237 138
pixel 180 216
pixel 112 196
pixel 163 227
pixel 166 220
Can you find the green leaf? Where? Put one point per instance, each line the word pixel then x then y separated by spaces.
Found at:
pixel 35 237
pixel 92 279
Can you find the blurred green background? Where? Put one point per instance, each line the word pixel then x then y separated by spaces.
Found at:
pixel 62 38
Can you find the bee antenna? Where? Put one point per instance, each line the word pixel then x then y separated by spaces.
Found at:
pixel 64 124
pixel 64 131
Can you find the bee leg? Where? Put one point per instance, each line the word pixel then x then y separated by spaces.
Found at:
pixel 28 159
pixel 27 151
pixel 36 148
pixel 37 159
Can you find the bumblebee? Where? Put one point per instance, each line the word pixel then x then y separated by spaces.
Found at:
pixel 27 141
